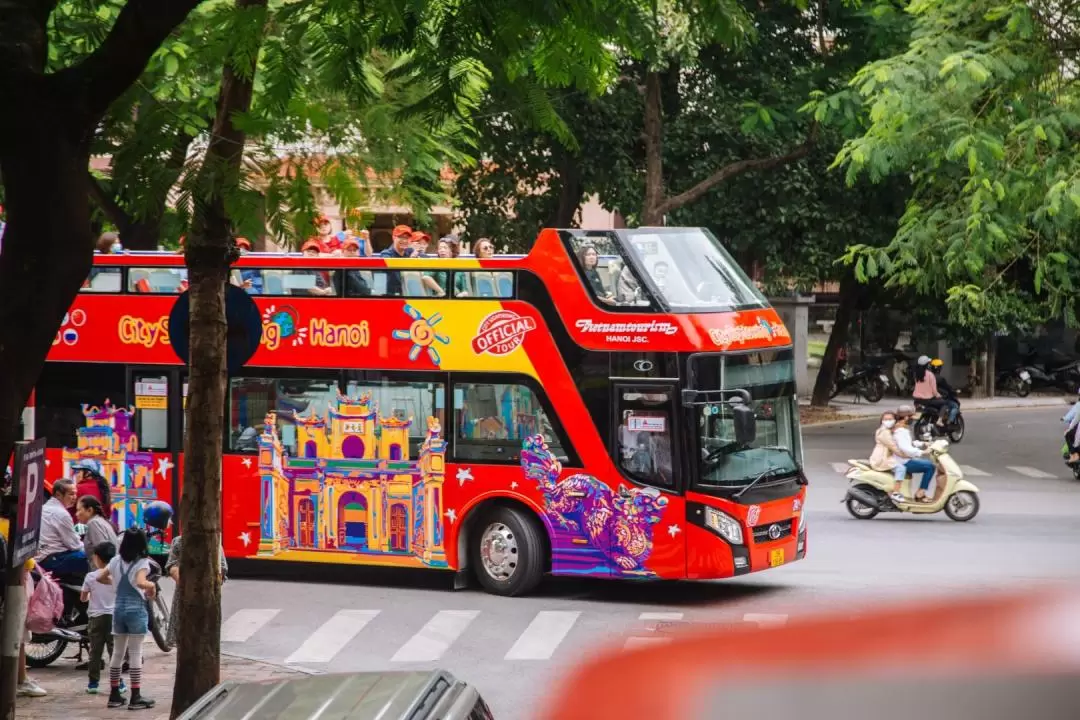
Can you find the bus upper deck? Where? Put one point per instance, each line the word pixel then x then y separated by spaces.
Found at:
pixel 652 392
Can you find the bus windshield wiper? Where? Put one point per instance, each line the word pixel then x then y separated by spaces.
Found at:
pixel 764 474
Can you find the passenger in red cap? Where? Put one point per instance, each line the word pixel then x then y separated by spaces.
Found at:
pixel 328 242
pixel 323 284
pixel 419 242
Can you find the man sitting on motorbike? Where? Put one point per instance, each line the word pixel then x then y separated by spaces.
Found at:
pixel 1072 431
pixel 60 549
pixel 926 389
pixel 945 391
pixel 910 458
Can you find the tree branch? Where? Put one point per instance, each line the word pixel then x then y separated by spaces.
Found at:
pixel 108 204
pixel 141 28
pixel 735 169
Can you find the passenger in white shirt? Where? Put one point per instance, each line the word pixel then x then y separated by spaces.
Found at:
pixel 60 549
pixel 913 459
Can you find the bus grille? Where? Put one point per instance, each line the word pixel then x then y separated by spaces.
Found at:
pixel 761 532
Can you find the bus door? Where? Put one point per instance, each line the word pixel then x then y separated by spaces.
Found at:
pixel 645 449
pixel 159 416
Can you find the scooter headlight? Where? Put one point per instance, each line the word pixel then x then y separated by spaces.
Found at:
pixel 724 525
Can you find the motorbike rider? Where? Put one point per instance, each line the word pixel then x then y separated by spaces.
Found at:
pixel 945 391
pixel 885 457
pixel 88 481
pixel 1072 431
pixel 60 549
pixel 926 389
pixel 913 458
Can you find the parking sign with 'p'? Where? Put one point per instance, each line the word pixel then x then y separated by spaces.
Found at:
pixel 30 477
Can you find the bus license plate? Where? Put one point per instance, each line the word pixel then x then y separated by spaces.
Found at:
pixel 776 557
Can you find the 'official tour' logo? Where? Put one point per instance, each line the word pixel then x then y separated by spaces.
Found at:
pixel 501 332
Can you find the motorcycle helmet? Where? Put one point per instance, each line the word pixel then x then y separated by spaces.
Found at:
pixel 937 363
pixel 923 360
pixel 157 514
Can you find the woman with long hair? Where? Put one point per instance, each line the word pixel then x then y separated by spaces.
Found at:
pixel 99 529
pixel 88 481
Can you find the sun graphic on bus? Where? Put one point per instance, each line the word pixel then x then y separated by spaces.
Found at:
pixel 423 334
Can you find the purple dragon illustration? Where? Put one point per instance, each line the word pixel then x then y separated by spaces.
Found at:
pixel 619 525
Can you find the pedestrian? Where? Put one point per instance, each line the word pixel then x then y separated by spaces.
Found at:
pixel 26 686
pixel 127 572
pixel 90 513
pixel 172 567
pixel 101 599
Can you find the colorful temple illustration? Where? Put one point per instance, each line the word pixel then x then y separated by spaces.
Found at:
pixel 110 445
pixel 353 488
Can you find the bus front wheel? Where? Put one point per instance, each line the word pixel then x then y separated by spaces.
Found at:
pixel 507 552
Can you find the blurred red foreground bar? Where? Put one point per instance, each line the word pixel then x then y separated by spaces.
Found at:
pixel 994 657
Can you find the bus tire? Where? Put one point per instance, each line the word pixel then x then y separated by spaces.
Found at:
pixel 507 551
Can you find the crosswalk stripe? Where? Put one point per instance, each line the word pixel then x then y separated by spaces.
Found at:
pixel 973 471
pixel 543 635
pixel 1029 471
pixel 661 616
pixel 333 635
pixel 242 624
pixel 765 619
pixel 636 642
pixel 436 636
pixel 840 467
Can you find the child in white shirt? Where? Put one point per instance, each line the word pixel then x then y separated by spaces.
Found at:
pixel 101 599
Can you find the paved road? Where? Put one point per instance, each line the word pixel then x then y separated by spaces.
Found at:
pixel 1029 530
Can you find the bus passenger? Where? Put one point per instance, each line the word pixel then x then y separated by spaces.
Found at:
pixel 485 248
pixel 399 248
pixel 250 280
pixel 322 286
pixel 590 260
pixel 355 284
pixel 327 242
pixel 450 247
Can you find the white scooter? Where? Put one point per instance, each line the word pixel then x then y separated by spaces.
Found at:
pixel 870 490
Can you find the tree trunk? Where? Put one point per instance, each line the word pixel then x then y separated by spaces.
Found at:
pixel 849 297
pixel 571 189
pixel 209 253
pixel 651 212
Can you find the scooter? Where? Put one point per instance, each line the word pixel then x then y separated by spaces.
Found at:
pixel 870 490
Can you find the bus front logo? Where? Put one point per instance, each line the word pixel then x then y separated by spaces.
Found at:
pixel 502 332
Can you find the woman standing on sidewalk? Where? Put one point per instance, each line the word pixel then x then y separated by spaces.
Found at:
pixel 172 567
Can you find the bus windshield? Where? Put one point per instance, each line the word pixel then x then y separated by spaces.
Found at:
pixel 769 377
pixel 691 271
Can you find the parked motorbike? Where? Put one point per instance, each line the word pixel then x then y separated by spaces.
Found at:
pixel 1060 372
pixel 866 381
pixel 1015 380
pixel 869 493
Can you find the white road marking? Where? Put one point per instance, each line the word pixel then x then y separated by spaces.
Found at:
pixel 333 635
pixel 543 635
pixel 841 467
pixel 661 616
pixel 973 471
pixel 242 624
pixel 1029 471
pixel 636 642
pixel 436 636
pixel 765 619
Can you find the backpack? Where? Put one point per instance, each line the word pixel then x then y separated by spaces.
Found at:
pixel 46 605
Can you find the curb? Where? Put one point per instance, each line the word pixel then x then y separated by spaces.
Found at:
pixel 863 418
pixel 279 666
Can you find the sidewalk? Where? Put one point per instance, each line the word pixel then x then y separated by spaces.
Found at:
pixel 67 699
pixel 846 408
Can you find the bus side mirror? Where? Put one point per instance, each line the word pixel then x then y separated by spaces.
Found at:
pixel 745 424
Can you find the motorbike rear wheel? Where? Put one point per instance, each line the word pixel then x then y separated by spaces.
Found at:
pixel 860 511
pixel 956 430
pixel 874 390
pixel 962 506
pixel 158 611
pixel 1022 387
pixel 42 652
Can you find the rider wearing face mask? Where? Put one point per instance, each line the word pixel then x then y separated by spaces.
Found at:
pixel 913 458
pixel 884 458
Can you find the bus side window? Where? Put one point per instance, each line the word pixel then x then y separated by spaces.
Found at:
pixel 492 419
pixel 250 399
pixel 152 411
pixel 643 440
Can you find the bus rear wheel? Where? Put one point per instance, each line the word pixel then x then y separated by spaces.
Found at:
pixel 507 552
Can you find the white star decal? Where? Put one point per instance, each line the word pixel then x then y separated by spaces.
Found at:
pixel 164 465
pixel 245 537
pixel 451 515
pixel 246 462
pixel 513 485
pixel 673 530
pixel 48 463
pixel 464 475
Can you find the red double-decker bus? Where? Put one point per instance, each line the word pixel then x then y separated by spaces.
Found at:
pixel 617 404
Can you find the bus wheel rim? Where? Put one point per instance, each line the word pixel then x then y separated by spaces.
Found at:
pixel 499 551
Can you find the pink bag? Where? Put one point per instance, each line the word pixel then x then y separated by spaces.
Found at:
pixel 46 605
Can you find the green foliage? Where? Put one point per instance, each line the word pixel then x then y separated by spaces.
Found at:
pixel 980 111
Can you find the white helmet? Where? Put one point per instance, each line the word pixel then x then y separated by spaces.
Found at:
pixel 923 360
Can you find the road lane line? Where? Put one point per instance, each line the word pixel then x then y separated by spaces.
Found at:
pixel 543 636
pixel 765 619
pixel 661 616
pixel 1029 471
pixel 242 624
pixel 636 642
pixel 840 467
pixel 332 636
pixel 434 638
pixel 973 471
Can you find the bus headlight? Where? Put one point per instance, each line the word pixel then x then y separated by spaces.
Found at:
pixel 725 526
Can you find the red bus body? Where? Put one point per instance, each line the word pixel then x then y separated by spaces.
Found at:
pixel 332 504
